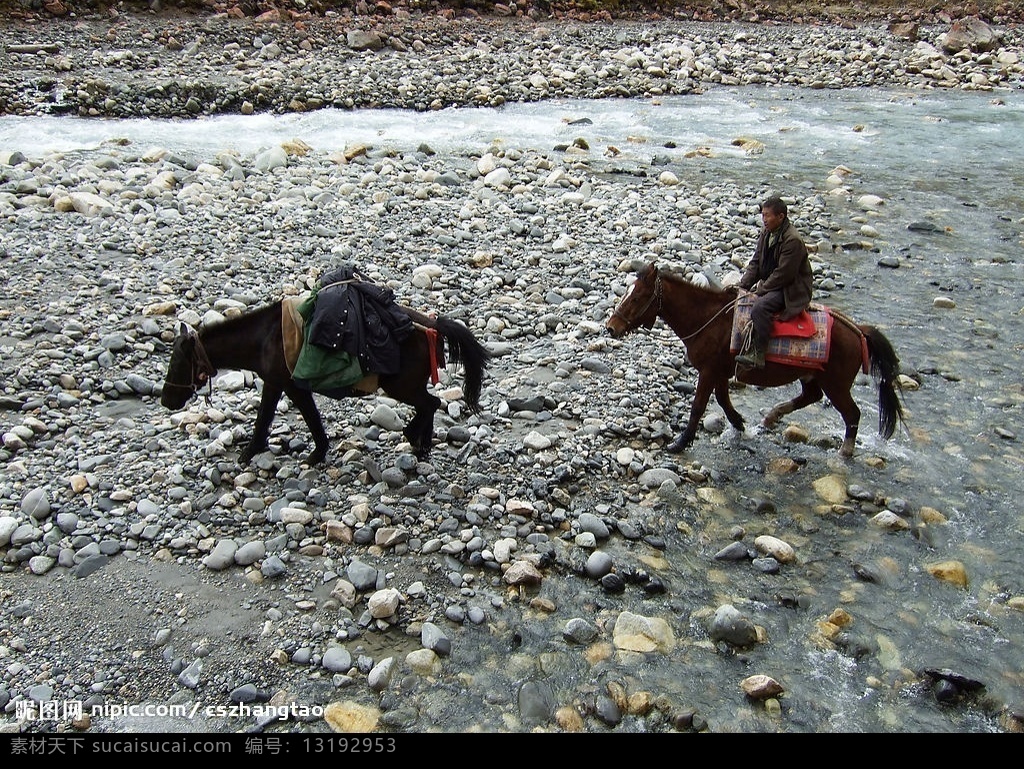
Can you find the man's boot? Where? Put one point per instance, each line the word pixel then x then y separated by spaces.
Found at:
pixel 752 356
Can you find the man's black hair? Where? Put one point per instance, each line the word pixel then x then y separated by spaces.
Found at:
pixel 776 204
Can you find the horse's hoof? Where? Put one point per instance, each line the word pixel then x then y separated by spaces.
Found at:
pixel 678 445
pixel 316 458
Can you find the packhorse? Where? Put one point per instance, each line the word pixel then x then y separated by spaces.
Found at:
pixel 253 342
pixel 702 317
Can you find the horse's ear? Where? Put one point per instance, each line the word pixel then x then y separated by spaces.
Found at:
pixel 182 328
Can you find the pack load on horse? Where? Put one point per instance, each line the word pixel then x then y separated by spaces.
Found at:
pixel 347 339
pixel 703 318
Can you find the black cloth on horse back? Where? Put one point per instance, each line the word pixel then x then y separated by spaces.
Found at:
pixel 361 318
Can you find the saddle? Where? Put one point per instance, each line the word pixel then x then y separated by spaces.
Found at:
pixel 803 340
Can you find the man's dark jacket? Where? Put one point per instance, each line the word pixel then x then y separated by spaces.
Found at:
pixel 360 318
pixel 783 267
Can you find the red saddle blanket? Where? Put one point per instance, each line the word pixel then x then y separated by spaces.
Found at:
pixel 800 341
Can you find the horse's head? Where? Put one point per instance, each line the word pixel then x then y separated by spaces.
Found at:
pixel 641 304
pixel 188 371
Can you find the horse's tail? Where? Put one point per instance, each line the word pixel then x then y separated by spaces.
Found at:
pixel 465 349
pixel 885 369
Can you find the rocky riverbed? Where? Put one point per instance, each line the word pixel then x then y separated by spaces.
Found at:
pixel 133 67
pixel 549 567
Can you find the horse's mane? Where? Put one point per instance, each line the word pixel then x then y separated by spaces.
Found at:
pixel 675 277
pixel 246 318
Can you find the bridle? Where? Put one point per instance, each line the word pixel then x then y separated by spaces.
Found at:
pixel 203 370
pixel 657 296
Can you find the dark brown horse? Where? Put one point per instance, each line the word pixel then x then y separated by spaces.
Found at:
pixel 253 342
pixel 703 317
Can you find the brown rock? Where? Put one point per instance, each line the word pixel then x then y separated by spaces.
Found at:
pixel 905 30
pixel 569 720
pixel 971 33
pixel 523 573
pixel 761 687
pixel 56 8
pixel 952 572
pixel 351 717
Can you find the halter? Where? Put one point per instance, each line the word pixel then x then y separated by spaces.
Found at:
pixel 202 369
pixel 655 296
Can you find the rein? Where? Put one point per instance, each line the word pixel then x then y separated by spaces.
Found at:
pixel 202 369
pixel 712 319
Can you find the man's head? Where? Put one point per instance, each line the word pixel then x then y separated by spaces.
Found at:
pixel 773 212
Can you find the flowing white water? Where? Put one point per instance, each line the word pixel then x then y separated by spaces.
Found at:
pixel 898 143
pixel 944 129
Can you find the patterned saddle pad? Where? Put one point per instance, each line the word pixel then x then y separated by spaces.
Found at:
pixel 800 346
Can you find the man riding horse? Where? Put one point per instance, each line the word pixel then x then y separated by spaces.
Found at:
pixel 780 274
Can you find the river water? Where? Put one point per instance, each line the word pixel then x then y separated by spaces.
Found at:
pixel 946 165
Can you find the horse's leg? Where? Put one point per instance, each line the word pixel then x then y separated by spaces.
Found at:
pixel 264 416
pixel 850 412
pixel 725 401
pixel 810 392
pixel 420 430
pixel 409 386
pixel 303 399
pixel 700 404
